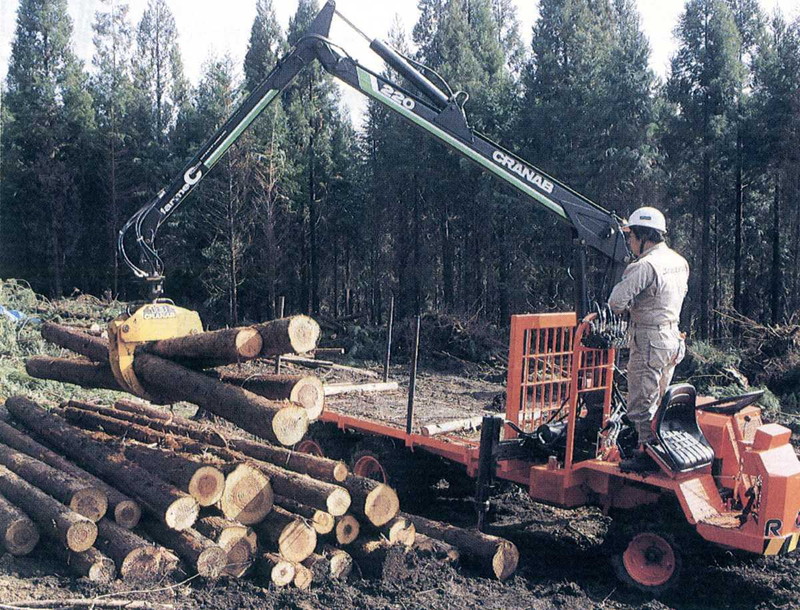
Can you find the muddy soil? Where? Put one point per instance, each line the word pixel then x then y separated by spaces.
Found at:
pixel 562 563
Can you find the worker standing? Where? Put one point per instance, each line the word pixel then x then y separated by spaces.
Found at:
pixel 651 292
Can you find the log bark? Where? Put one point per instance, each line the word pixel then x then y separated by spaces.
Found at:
pixel 136 559
pixel 341 563
pixel 496 555
pixel 332 389
pixel 323 522
pixel 127 512
pixel 209 349
pixel 84 499
pixel 302 488
pixel 287 533
pixel 177 509
pixel 457 425
pixel 76 340
pixel 381 559
pixel 18 534
pixel 332 471
pixel 203 482
pixel 248 495
pixel 275 569
pixel 303 577
pixel 347 529
pixel 284 423
pixel 297 334
pixel 237 540
pixel 69 370
pixel 305 390
pixel 53 519
pixel 377 502
pixel 91 564
pixel 438 549
pixel 197 551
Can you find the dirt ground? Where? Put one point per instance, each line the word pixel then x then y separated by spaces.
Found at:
pixel 562 563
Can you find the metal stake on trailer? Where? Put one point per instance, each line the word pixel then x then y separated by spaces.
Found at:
pixel 412 381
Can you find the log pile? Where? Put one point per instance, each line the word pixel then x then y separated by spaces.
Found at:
pixel 116 490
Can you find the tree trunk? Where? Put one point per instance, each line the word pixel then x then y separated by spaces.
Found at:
pixel 375 501
pixel 126 512
pixel 322 522
pixel 18 534
pixel 495 554
pixel 776 271
pixel 78 372
pixel 177 509
pixel 77 341
pixel 286 533
pixel 305 390
pixel 54 519
pixel 84 499
pixel 706 250
pixel 237 540
pixel 136 559
pixel 195 549
pixel 296 334
pixel 209 349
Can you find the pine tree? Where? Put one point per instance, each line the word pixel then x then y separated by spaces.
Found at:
pixel 44 166
pixel 266 45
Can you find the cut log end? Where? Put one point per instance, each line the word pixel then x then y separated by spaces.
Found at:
pixel 323 523
pixel 402 531
pixel 240 544
pixel 127 514
pixel 303 577
pixel 81 535
pixel 211 562
pixel 247 497
pixel 207 485
pixel 182 513
pixel 297 541
pixel 303 334
pixel 310 394
pixel 279 571
pixel 20 537
pixel 92 503
pixel 505 560
pixel 341 565
pixel 102 570
pixel 382 505
pixel 338 502
pixel 92 564
pixel 248 343
pixel 290 424
pixel 347 529
pixel 147 564
pixel 340 472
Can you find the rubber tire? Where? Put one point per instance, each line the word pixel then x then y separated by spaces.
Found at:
pixel 335 444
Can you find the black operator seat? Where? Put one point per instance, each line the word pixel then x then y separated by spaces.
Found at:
pixel 681 445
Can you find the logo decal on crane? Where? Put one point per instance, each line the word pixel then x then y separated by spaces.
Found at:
pixel 522 170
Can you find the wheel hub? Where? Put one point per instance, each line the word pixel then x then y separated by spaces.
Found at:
pixel 649 559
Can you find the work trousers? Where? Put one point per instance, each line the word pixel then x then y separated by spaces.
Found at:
pixel 654 354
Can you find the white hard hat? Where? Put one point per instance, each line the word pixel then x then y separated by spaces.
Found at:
pixel 648 217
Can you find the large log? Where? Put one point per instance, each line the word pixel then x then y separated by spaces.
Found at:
pixel 248 496
pixel 323 522
pixel 205 483
pixel 84 499
pixel 288 534
pixel 237 540
pixel 76 340
pixel 377 502
pixel 209 349
pixel 68 370
pixel 197 551
pixel 497 555
pixel 298 334
pixel 275 569
pixel 53 519
pixel 126 512
pixel 284 423
pixel 305 390
pixel 177 509
pixel 18 534
pixel 136 559
pixel 321 468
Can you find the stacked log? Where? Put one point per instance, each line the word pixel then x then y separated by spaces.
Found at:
pixel 305 390
pixel 238 541
pixel 136 559
pixel 18 534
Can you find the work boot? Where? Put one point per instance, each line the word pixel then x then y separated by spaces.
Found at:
pixel 639 463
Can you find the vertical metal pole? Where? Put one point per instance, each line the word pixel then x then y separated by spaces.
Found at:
pixel 388 341
pixel 412 381
pixel 281 306
pixel 490 436
pixel 581 287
